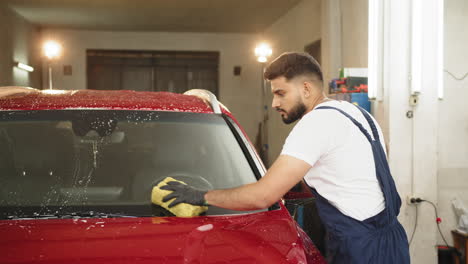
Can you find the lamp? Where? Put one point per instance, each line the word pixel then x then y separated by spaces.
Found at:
pixel 440 48
pixel 52 50
pixel 24 66
pixel 416 46
pixel 262 52
pixel 375 54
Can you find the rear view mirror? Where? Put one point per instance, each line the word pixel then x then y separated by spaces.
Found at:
pixel 97 129
pixel 102 125
pixel 114 138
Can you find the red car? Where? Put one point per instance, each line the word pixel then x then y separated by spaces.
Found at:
pixel 77 169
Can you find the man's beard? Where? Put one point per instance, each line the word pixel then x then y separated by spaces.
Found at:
pixel 296 113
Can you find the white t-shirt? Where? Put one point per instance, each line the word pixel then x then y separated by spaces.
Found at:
pixel 343 169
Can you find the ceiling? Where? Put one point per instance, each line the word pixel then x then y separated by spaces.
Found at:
pixel 240 16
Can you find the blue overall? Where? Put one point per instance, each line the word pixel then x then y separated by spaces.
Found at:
pixel 379 239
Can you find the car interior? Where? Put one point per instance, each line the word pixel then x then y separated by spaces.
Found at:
pixel 67 163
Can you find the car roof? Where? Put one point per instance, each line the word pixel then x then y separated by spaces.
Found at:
pixel 23 98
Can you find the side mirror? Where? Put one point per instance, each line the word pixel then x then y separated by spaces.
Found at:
pixel 299 191
pixel 301 204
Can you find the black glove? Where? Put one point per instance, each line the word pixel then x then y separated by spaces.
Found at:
pixel 183 194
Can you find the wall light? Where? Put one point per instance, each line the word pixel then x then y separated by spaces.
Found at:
pixel 440 48
pixel 24 66
pixel 416 46
pixel 262 52
pixel 52 50
pixel 375 51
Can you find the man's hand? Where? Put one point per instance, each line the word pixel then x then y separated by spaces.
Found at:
pixel 183 194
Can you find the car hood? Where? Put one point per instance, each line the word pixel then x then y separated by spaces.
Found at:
pixel 265 237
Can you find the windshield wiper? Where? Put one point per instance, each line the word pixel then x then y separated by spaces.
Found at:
pixel 33 216
pixel 85 214
pixel 94 214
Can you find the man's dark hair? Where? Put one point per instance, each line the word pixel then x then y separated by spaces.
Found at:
pixel 293 64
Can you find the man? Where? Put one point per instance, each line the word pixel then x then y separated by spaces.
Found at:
pixel 338 149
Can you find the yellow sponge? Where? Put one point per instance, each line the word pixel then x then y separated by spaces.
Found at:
pixel 182 209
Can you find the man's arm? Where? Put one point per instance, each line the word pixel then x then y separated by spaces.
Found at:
pixel 285 172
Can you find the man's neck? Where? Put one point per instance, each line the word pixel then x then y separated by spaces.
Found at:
pixel 318 100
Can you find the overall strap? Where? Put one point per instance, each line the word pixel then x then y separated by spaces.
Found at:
pixel 371 123
pixel 359 125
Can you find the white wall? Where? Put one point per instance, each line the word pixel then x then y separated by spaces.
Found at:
pixel 428 153
pixel 453 116
pixel 413 148
pixel 19 42
pixel 239 93
pixel 297 28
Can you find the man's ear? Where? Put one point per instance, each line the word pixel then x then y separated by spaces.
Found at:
pixel 307 89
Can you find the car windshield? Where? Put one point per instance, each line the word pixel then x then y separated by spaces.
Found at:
pixel 105 162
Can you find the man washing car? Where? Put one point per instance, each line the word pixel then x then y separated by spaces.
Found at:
pixel 338 149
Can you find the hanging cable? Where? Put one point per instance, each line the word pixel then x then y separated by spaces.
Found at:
pixel 455 77
pixel 415 224
pixel 438 220
pixel 416 202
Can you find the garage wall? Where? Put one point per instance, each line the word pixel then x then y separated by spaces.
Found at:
pixel 342 28
pixel 428 154
pixel 297 28
pixel 239 93
pixel 19 42
pixel 345 42
pixel 414 151
pixel 354 26
pixel 432 136
pixel 344 35
pixel 453 116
